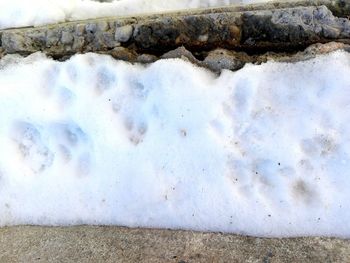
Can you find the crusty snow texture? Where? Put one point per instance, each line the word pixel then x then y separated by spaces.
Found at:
pixel 17 13
pixel 262 151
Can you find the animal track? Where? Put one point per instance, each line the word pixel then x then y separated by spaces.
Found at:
pixel 139 90
pixel 136 132
pixel 50 78
pixel 302 192
pixel 131 117
pixel 105 79
pixel 33 150
pixel 69 133
pixel 65 97
pixel 73 145
pixel 72 73
pixel 321 145
pixel 64 141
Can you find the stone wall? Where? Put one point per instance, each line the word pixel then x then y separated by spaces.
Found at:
pixel 281 26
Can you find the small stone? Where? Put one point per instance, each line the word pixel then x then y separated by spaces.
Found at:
pixel 319 48
pixel 123 53
pixel 66 38
pixel 330 32
pixel 224 59
pixel 38 38
pixel 180 52
pixel 111 25
pixel 78 43
pixel 91 28
pixel 146 58
pixel 102 26
pixel 79 29
pixel 108 40
pixel 2 52
pixel 52 38
pixel 203 38
pixel 235 32
pixel 13 42
pixel 322 13
pixel 123 34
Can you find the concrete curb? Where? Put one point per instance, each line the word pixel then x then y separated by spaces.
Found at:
pixel 118 244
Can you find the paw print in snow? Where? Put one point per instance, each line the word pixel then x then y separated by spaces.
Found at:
pixel 136 131
pixel 31 146
pixel 139 90
pixel 303 192
pixel 73 145
pixel 320 145
pixel 105 80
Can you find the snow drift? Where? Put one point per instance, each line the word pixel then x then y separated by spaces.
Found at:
pixel 262 151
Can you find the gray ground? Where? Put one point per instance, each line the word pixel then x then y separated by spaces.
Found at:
pixel 115 244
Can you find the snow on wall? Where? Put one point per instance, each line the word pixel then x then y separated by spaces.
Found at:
pixel 262 151
pixel 18 13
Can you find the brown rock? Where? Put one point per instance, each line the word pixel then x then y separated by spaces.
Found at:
pixel 122 53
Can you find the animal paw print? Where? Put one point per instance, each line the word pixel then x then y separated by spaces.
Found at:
pixel 41 146
pixel 31 146
pixel 105 80
pixel 136 131
pixel 73 146
pixel 321 145
pixel 303 192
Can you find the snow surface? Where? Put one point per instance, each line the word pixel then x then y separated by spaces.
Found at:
pixel 263 151
pixel 18 13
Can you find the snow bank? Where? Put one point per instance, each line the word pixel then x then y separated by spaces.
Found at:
pixel 263 151
pixel 18 13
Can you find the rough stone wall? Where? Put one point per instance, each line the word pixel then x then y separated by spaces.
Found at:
pixel 216 38
pixel 254 30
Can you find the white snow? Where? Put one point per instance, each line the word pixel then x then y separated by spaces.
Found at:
pixel 18 13
pixel 263 151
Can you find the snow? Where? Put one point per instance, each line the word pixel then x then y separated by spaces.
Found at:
pixel 263 151
pixel 19 13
